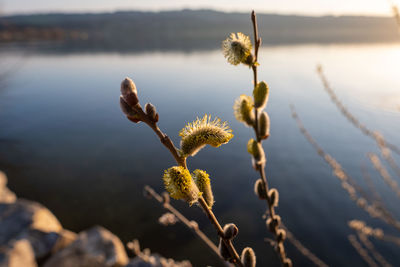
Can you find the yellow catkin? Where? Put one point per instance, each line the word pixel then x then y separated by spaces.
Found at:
pixel 179 184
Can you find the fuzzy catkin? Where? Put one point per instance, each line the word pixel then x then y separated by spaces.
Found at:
pixel 203 132
pixel 243 110
pixel 202 180
pixel 179 184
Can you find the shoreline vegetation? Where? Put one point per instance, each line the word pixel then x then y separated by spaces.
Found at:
pixel 188 29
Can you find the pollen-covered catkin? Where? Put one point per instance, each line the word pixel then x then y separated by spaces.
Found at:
pixel 243 110
pixel 179 184
pixel 202 180
pixel 203 132
pixel 237 48
pixel 248 257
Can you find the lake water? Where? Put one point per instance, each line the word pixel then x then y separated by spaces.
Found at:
pixel 65 143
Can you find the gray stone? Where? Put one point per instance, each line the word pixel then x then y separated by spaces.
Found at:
pixel 6 195
pixel 155 260
pixel 18 253
pixel 30 221
pixel 96 247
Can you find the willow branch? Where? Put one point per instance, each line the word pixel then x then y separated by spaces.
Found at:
pixel 342 108
pixel 355 192
pixel 189 224
pixel 181 161
pixel 361 251
pixel 305 251
pixel 280 248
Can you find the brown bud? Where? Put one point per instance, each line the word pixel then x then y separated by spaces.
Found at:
pixel 129 92
pixel 128 87
pixel 131 99
pixel 230 231
pixel 151 112
pixel 273 223
pixel 273 195
pixel 259 189
pixel 248 257
pixel 126 108
pixel 281 234
pixel 264 125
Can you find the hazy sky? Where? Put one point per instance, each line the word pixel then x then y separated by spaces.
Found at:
pixel 313 7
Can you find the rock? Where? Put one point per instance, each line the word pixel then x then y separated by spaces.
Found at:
pixel 64 240
pixel 6 195
pixel 96 247
pixel 30 221
pixel 155 260
pixel 18 253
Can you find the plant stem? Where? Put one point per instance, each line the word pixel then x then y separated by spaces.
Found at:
pixel 184 220
pixel 181 161
pixel 220 231
pixel 261 167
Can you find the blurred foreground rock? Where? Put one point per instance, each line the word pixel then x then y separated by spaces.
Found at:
pixel 6 196
pixel 94 247
pixel 155 260
pixel 31 236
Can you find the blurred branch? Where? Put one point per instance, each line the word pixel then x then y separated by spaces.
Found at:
pixel 361 251
pixel 368 244
pixel 192 225
pixel 303 250
pixel 355 192
pixel 350 116
pixel 384 173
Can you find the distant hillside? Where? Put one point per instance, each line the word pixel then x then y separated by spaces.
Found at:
pixel 194 29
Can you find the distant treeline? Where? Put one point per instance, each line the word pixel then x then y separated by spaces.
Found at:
pixel 190 29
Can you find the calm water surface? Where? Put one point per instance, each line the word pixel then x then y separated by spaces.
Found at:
pixel 65 143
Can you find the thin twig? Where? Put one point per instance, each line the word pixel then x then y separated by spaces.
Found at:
pixel 347 114
pixel 189 224
pixel 305 251
pixel 384 173
pixel 368 244
pixel 363 253
pixel 347 182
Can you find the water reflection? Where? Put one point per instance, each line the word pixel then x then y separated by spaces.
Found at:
pixel 76 153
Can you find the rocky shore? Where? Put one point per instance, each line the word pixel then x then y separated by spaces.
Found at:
pixel 31 236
